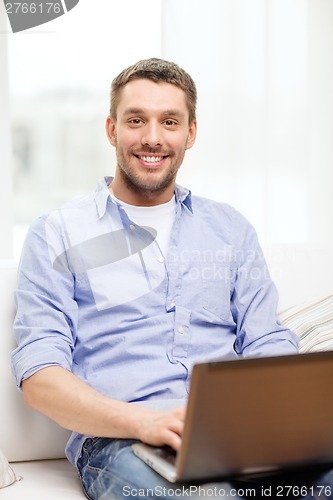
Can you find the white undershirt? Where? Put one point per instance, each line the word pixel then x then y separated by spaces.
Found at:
pixel 159 217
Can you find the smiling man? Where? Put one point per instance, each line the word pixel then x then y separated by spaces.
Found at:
pixel 151 128
pixel 121 292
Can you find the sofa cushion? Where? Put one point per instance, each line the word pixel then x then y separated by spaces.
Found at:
pixel 312 321
pixel 25 433
pixel 7 475
pixel 44 480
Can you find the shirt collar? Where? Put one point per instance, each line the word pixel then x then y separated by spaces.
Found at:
pixel 102 194
pixel 184 197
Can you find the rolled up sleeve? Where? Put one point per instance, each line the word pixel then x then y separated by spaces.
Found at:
pixel 46 319
pixel 254 303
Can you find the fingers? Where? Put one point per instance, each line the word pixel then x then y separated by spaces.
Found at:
pixel 180 413
pixel 173 440
pixel 174 430
pixel 163 428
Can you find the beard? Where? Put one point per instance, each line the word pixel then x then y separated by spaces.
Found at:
pixel 152 181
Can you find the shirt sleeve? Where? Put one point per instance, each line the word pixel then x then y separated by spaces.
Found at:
pixel 46 319
pixel 254 300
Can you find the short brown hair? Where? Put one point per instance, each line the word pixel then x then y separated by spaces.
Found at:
pixel 157 70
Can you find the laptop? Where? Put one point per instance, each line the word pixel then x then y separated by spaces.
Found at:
pixel 252 415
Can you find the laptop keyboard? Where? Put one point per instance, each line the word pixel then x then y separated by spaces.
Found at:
pixel 167 453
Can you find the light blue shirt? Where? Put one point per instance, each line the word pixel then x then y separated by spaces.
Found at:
pixel 96 296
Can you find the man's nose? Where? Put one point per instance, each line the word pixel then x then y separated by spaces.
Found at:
pixel 152 135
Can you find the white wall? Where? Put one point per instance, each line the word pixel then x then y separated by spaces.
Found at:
pixel 265 113
pixel 265 79
pixel 265 136
pixel 6 218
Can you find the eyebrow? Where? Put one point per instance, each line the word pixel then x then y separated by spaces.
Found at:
pixel 133 111
pixel 173 112
pixel 167 112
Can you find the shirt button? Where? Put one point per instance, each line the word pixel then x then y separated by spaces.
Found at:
pixel 132 227
pixel 160 258
pixel 180 329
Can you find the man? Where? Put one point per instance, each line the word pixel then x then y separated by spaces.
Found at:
pixel 121 292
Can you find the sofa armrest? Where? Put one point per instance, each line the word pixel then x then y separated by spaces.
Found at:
pixel 25 433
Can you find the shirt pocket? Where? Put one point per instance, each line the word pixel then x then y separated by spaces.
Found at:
pixel 217 284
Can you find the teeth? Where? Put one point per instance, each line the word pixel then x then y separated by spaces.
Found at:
pixel 151 159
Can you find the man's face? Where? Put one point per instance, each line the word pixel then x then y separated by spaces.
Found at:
pixel 151 135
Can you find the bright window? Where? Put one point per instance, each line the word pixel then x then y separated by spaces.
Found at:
pixel 265 113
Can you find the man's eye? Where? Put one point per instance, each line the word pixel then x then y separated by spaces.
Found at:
pixel 135 121
pixel 170 123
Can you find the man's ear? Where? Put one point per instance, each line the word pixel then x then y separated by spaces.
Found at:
pixel 110 127
pixel 192 133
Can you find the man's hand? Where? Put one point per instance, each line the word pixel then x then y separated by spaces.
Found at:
pixel 162 428
pixel 76 406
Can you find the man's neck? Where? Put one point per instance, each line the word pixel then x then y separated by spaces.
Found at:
pixel 144 199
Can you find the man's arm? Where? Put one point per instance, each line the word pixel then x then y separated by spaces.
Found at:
pixel 73 404
pixel 255 301
pixel 46 329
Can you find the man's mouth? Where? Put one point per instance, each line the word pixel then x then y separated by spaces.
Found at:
pixel 151 159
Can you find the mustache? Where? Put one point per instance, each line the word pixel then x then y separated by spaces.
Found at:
pixel 149 150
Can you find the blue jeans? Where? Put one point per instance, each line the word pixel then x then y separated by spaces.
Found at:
pixel 109 470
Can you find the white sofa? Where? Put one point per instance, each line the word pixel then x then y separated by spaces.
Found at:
pixel 35 445
pixel 31 442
